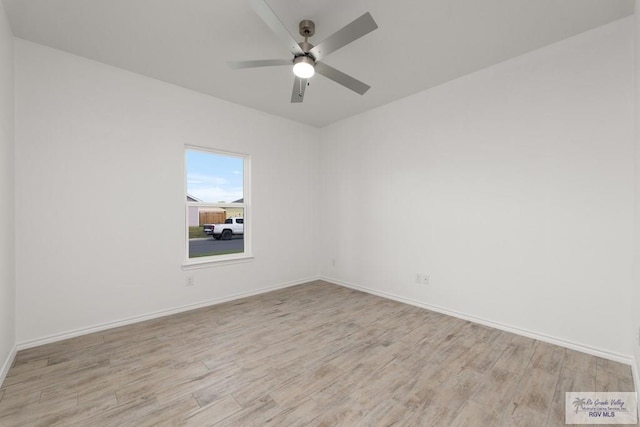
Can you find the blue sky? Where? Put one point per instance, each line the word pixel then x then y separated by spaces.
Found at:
pixel 213 177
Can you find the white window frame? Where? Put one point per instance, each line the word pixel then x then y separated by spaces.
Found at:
pixel 214 260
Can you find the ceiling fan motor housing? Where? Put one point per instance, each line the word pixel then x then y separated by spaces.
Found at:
pixel 307 28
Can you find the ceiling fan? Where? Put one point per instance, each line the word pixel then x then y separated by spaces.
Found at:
pixel 307 57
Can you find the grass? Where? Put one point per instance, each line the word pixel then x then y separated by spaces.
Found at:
pixel 195 232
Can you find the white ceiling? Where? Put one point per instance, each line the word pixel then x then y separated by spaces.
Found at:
pixel 419 43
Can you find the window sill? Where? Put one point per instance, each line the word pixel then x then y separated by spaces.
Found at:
pixel 194 265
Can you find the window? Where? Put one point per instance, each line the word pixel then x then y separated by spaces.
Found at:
pixel 217 203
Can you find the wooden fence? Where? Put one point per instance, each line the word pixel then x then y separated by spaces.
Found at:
pixel 212 217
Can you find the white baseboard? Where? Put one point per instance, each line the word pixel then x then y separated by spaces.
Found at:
pixel 149 316
pixel 7 364
pixel 628 360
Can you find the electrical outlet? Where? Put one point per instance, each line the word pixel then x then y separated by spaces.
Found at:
pixel 333 262
pixel 425 279
pixel 418 278
pixel 190 281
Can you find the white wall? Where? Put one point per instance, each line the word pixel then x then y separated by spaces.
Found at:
pixel 100 194
pixel 511 187
pixel 635 335
pixel 7 258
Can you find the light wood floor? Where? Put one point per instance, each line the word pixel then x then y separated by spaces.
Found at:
pixel 315 354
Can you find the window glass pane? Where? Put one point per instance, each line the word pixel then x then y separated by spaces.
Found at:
pixel 214 178
pixel 215 204
pixel 219 238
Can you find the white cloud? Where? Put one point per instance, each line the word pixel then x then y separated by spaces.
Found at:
pixel 216 194
pixel 213 189
pixel 206 180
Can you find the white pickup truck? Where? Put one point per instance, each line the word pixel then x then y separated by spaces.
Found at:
pixel 231 227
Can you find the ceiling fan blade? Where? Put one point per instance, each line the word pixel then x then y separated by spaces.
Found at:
pixel 259 63
pixel 269 17
pixel 299 85
pixel 342 78
pixel 353 31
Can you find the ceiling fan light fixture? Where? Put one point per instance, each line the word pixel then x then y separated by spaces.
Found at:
pixel 304 67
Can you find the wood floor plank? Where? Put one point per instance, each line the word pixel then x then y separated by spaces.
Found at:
pixel 211 414
pixel 578 374
pixel 310 355
pixel 81 413
pixel 259 413
pixel 473 413
pixel 612 376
